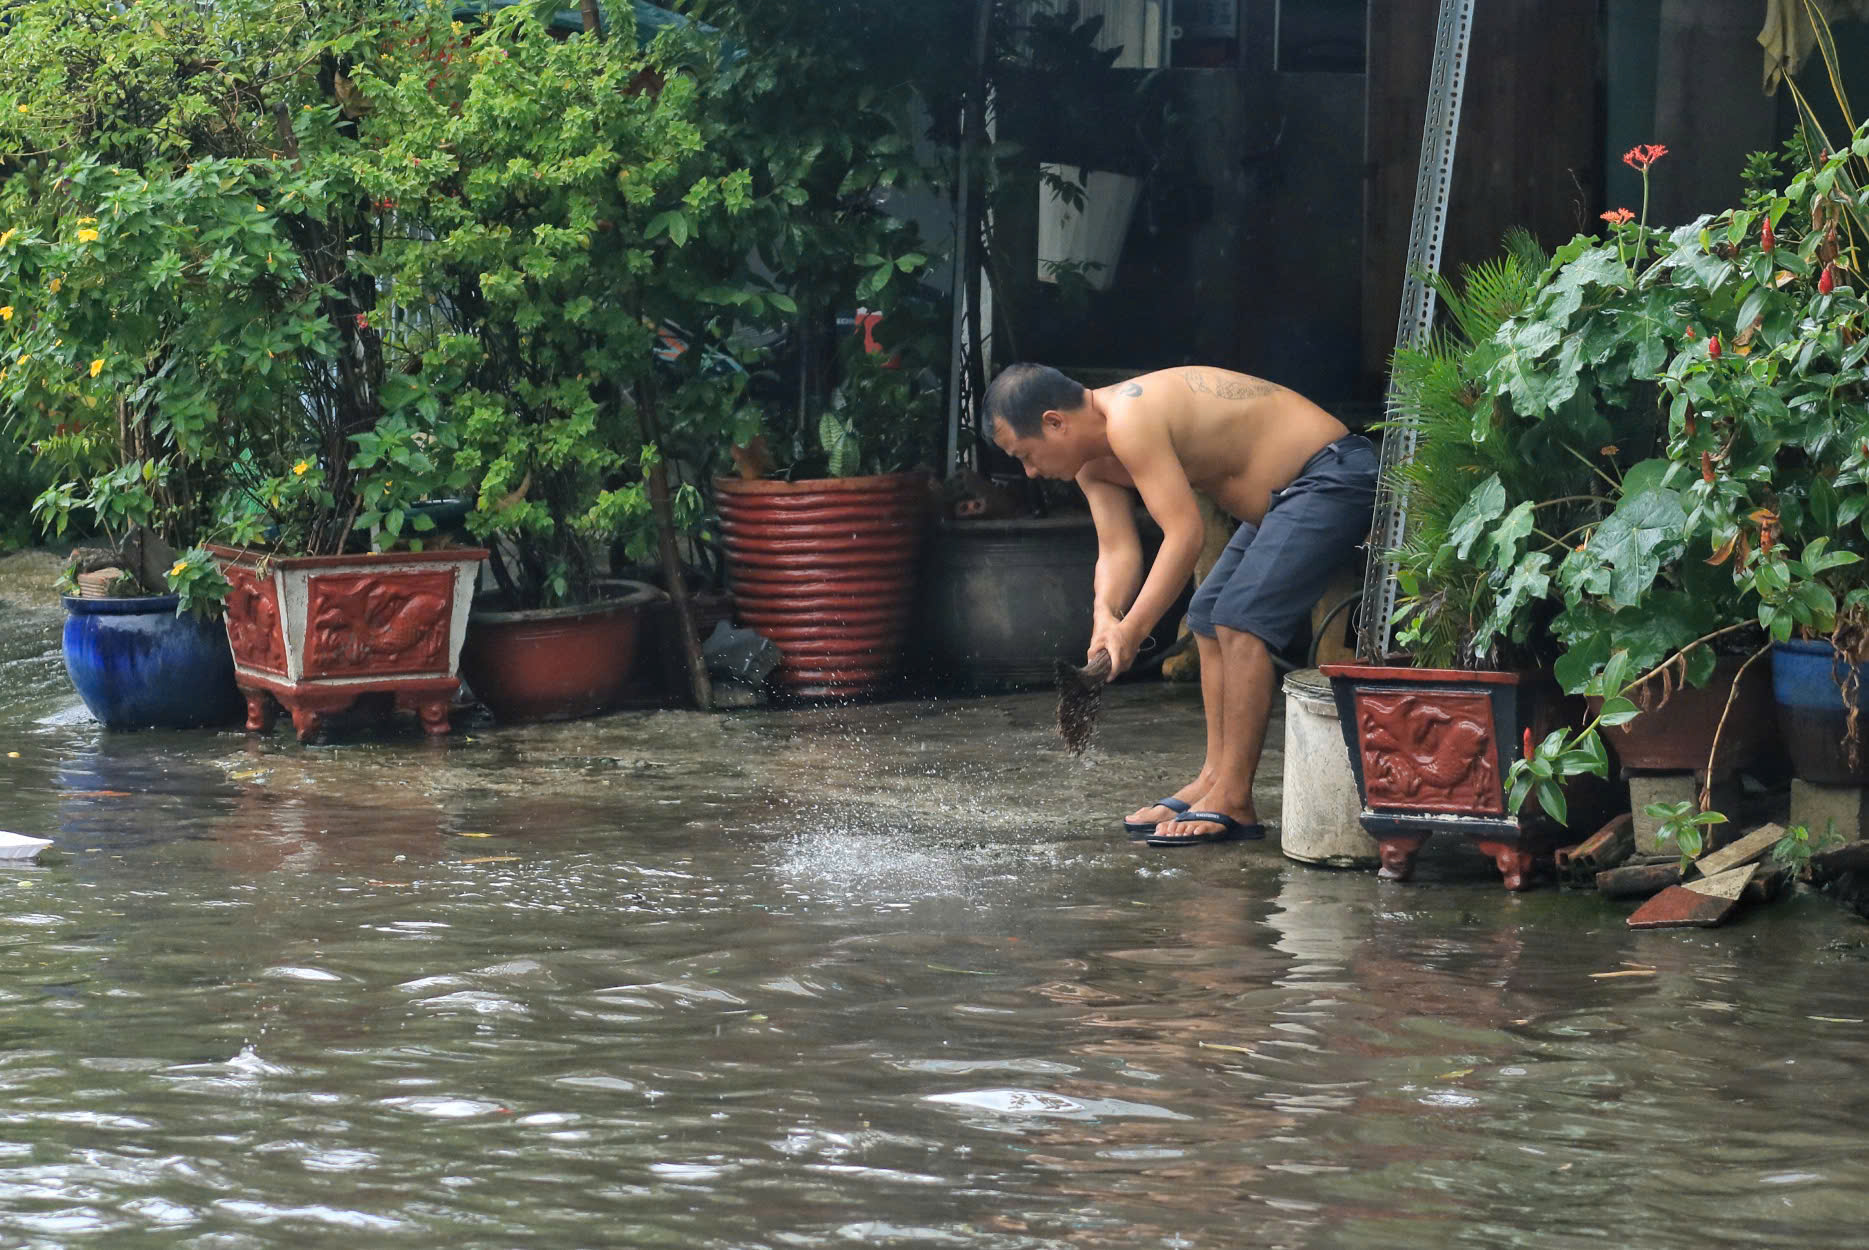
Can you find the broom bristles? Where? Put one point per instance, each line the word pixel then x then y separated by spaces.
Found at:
pixel 1080 700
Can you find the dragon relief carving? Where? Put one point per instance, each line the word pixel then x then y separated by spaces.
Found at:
pixel 370 625
pixel 1430 754
pixel 253 621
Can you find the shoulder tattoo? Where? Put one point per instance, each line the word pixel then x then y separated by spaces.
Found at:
pixel 1130 389
pixel 1228 388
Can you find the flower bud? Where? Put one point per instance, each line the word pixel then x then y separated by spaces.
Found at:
pixel 1706 467
pixel 1827 282
pixel 1713 346
pixel 1766 239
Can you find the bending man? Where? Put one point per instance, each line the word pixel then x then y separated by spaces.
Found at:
pixel 1301 486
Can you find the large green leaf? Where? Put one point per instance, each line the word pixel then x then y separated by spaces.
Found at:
pixel 1644 531
pixel 1484 505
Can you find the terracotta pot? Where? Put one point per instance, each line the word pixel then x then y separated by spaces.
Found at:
pixel 556 663
pixel 1431 748
pixel 316 632
pixel 1676 735
pixel 826 569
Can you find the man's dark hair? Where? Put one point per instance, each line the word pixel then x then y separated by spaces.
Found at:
pixel 1022 394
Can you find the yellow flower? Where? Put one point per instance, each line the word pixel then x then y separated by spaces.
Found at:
pixel 97 366
pixel 7 234
pixel 301 467
pixel 176 569
pixel 24 109
pixel 56 284
pixel 87 221
pixel 259 208
pixel 87 236
pixel 6 313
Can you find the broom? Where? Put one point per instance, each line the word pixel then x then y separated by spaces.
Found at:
pixel 1080 699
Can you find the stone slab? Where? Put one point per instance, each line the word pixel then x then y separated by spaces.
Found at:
pixel 1728 885
pixel 1753 846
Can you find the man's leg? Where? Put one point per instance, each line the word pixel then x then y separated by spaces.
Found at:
pixel 1213 676
pixel 1245 710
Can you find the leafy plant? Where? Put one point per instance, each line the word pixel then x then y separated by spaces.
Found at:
pixel 1458 565
pixel 1795 849
pixel 194 340
pixel 825 110
pixel 1685 825
pixel 557 203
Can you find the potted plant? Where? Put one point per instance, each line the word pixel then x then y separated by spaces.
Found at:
pixel 825 563
pixel 259 342
pixel 556 232
pixel 1769 424
pixel 1435 733
pixel 1104 131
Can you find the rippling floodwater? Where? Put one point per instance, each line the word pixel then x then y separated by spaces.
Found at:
pixel 835 978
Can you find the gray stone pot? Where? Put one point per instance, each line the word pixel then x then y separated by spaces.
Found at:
pixel 1002 601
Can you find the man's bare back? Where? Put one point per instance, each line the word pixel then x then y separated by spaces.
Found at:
pixel 1238 438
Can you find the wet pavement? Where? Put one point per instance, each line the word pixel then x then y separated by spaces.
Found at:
pixel 884 975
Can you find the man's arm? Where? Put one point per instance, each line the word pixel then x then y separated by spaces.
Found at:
pixel 1119 558
pixel 1144 449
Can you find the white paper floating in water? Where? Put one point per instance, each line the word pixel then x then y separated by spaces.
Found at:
pixel 19 846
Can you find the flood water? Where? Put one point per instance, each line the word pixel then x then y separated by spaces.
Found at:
pixel 875 976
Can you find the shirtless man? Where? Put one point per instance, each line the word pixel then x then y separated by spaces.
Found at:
pixel 1299 482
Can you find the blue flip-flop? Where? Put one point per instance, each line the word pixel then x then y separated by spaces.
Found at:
pixel 1230 830
pixel 1138 829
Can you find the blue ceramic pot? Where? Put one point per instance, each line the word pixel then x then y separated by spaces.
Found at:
pixel 137 665
pixel 1812 718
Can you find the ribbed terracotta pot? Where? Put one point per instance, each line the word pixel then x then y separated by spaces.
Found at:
pixel 826 569
pixel 556 663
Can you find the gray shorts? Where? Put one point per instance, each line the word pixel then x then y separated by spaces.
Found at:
pixel 1271 574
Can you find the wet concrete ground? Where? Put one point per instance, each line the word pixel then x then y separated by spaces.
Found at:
pixel 876 976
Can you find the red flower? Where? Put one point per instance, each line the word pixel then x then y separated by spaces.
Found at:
pixel 1641 156
pixel 1827 282
pixel 363 321
pixel 1765 237
pixel 1713 346
pixel 1616 216
pixel 1528 742
pixel 1690 332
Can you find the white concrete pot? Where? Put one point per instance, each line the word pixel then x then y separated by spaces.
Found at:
pixel 1093 234
pixel 1320 821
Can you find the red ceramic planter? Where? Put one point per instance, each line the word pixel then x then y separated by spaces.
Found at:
pixel 316 632
pixel 1431 749
pixel 556 663
pixel 827 569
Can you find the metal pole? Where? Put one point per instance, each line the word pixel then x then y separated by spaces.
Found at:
pixel 1427 227
pixel 964 232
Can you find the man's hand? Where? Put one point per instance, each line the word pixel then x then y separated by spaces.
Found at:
pixel 1107 633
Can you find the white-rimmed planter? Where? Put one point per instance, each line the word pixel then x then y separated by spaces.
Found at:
pixel 316 632
pixel 1091 233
